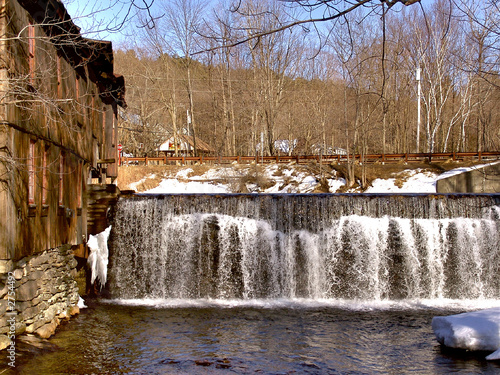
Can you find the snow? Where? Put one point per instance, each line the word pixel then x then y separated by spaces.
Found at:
pixel 281 179
pixel 456 171
pixel 98 258
pixel 477 330
pixel 494 356
pixel 81 303
pixel 288 178
pixel 173 186
pixel 418 182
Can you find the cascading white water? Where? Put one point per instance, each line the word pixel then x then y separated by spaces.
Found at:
pixel 306 246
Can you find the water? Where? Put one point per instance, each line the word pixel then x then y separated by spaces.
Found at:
pixel 270 284
pixel 310 246
pixel 258 337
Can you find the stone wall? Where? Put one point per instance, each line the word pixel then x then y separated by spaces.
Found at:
pixel 481 179
pixel 39 291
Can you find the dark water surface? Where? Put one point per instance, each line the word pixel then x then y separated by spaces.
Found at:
pixel 260 338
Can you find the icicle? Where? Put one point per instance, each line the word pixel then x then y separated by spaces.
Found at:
pixel 98 258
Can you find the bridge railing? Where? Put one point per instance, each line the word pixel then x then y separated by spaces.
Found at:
pixel 367 158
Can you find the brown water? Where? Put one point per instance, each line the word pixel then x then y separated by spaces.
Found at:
pixel 259 337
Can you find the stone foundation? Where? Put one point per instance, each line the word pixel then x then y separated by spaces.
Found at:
pixel 38 292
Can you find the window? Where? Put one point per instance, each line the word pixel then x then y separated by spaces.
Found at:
pixel 31 52
pixel 61 179
pixel 31 173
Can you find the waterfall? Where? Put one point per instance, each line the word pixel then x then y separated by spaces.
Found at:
pixel 370 247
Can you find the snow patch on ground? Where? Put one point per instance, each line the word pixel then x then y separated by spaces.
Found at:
pixel 280 179
pixel 418 181
pixel 456 171
pixel 287 178
pixel 174 186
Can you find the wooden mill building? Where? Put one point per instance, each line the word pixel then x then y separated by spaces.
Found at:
pixel 59 98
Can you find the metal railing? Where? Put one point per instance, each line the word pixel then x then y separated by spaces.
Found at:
pixel 367 158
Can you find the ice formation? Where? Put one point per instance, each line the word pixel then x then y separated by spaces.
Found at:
pixel 98 258
pixel 478 330
pixel 81 303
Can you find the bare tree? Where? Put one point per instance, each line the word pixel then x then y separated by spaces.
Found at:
pixel 178 30
pixel 307 14
pixel 272 62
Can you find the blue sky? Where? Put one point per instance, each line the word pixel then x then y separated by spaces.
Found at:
pixel 105 20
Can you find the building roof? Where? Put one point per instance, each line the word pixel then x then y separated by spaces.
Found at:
pixel 188 140
pixel 96 55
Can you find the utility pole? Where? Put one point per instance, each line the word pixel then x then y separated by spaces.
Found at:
pixel 419 90
pixel 262 147
pixel 188 120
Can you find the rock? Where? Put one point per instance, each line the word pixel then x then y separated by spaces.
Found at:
pixel 4 291
pixel 22 262
pixel 42 298
pixel 73 263
pixel 3 306
pixel 6 266
pixel 34 326
pixel 37 300
pixel 48 329
pixel 73 310
pixel 51 312
pixel 203 362
pixel 21 306
pixel 35 275
pixel 27 291
pixel 39 260
pixel 18 273
pixel 30 312
pixel 4 342
pixel 20 328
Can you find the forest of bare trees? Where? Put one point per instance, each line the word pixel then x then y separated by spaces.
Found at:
pixel 247 77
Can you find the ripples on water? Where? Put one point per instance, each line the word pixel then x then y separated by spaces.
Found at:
pixel 262 337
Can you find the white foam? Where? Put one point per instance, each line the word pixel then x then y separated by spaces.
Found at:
pixel 354 305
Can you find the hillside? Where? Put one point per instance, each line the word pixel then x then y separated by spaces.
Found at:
pixel 284 178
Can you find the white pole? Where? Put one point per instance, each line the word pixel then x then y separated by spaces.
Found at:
pixel 262 146
pixel 419 90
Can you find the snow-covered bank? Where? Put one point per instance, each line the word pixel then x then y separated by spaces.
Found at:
pixel 275 179
pixel 475 331
pixel 284 178
pixel 416 181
